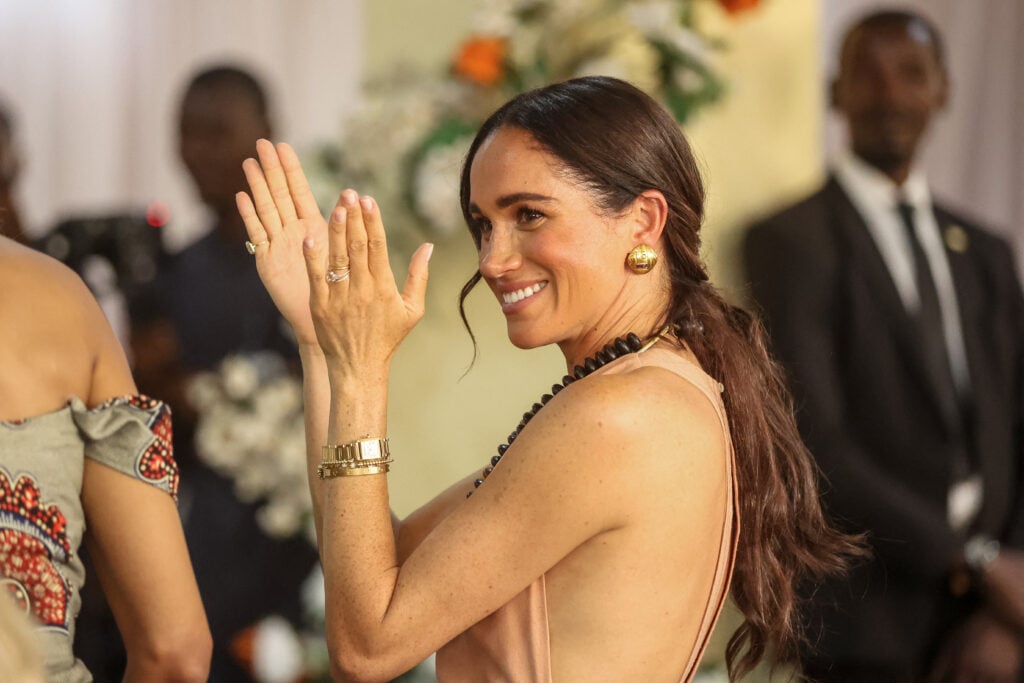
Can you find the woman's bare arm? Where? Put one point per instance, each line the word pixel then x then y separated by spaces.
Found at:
pixel 135 539
pixel 282 269
pixel 138 550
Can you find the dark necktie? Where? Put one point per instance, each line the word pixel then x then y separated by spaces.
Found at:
pixel 929 312
pixel 930 329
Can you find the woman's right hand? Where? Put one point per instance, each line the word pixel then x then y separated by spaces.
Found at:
pixel 280 214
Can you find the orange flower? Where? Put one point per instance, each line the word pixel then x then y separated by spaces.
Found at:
pixel 737 6
pixel 481 60
pixel 243 647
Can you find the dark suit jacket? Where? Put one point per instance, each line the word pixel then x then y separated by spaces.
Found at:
pixel 884 433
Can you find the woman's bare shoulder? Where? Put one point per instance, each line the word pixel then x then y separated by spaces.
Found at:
pixel 43 289
pixel 48 313
pixel 641 398
pixel 647 421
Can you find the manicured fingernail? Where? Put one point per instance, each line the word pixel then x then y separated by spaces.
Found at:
pixel 366 203
pixel 349 197
pixel 430 251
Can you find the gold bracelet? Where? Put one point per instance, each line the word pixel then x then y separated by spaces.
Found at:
pixel 331 470
pixel 362 456
pixel 357 451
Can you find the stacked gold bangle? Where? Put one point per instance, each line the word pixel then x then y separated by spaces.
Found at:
pixel 362 456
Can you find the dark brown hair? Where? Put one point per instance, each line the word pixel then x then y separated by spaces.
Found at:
pixel 618 142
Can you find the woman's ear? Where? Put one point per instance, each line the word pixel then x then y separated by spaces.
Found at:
pixel 650 212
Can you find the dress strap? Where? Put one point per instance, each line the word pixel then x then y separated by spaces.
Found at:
pixel 712 390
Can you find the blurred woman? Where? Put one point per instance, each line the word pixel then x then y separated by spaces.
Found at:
pixel 600 539
pixel 83 457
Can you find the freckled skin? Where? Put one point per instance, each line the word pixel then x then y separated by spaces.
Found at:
pixel 614 492
pixel 561 239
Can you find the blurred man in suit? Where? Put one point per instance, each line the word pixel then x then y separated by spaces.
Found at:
pixel 902 327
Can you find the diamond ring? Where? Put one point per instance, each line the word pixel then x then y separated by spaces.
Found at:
pixel 251 246
pixel 337 275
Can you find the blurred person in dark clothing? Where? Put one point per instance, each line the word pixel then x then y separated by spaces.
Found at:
pixel 206 304
pixel 210 291
pixel 902 327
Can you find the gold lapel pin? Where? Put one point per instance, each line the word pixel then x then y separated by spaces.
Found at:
pixel 956 238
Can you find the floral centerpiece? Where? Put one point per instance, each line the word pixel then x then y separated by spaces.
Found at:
pixel 405 145
pixel 251 430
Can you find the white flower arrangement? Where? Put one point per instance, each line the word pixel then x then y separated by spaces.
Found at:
pixel 406 143
pixel 251 430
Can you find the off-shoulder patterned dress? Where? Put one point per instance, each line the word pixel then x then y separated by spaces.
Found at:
pixel 41 519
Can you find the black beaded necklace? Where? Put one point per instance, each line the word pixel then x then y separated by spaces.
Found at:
pixel 622 346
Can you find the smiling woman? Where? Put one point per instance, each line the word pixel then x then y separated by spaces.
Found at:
pixel 600 541
pixel 545 253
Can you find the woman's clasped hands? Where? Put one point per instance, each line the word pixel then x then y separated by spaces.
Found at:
pixel 331 280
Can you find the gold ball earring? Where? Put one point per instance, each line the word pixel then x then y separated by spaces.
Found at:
pixel 642 259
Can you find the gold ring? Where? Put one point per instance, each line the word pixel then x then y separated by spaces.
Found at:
pixel 251 246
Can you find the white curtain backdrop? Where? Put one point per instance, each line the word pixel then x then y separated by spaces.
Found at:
pixel 94 87
pixel 975 154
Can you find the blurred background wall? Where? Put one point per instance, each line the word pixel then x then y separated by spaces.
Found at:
pixel 94 87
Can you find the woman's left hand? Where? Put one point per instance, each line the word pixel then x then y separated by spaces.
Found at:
pixel 359 315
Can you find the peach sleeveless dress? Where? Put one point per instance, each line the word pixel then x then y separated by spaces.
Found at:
pixel 512 644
